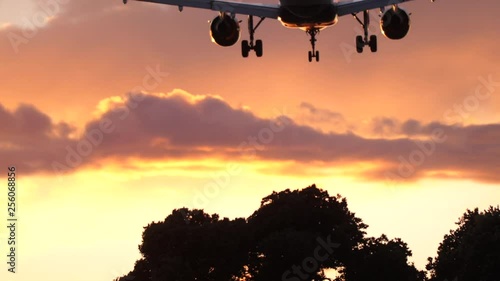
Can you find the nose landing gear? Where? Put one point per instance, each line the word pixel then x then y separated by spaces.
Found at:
pixel 313 54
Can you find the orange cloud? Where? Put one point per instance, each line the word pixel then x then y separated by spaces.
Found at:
pixel 178 125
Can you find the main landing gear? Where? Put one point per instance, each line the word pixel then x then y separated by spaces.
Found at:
pixel 313 54
pixel 247 46
pixel 361 41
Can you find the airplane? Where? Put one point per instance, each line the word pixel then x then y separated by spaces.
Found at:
pixel 312 16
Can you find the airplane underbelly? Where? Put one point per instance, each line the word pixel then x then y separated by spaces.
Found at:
pixel 304 2
pixel 308 16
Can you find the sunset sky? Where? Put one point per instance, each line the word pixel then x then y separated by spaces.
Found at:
pixel 115 115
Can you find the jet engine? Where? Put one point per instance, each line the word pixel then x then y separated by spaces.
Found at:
pixel 224 30
pixel 395 23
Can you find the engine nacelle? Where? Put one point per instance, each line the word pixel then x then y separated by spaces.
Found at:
pixel 395 23
pixel 225 31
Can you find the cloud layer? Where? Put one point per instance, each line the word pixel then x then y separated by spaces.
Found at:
pixel 178 125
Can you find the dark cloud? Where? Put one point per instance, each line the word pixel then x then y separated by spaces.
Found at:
pixel 179 126
pixel 313 116
pixel 410 127
pixel 30 140
pixel 25 124
pixel 467 152
pixel 383 126
pixel 321 115
pixel 392 127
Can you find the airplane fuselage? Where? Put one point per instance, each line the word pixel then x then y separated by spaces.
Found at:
pixel 307 14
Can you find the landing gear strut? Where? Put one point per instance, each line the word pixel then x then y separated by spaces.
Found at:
pixel 313 54
pixel 361 41
pixel 247 46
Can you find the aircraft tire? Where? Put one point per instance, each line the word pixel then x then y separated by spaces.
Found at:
pixel 259 48
pixel 373 43
pixel 245 48
pixel 359 44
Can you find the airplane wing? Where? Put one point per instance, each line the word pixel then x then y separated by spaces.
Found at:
pixel 259 10
pixel 353 7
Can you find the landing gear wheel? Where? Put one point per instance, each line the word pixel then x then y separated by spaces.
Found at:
pixel 245 48
pixel 258 48
pixel 317 55
pixel 373 43
pixel 360 44
pixel 310 56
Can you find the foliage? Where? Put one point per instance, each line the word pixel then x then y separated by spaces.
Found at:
pixel 381 259
pixel 297 235
pixel 472 251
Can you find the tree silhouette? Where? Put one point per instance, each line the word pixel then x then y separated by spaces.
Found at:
pixel 294 235
pixel 297 235
pixel 381 259
pixel 472 251
pixel 192 245
pixel 290 226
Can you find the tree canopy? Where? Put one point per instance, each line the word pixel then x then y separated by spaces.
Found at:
pixel 472 251
pixel 290 225
pixel 381 259
pixel 297 235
